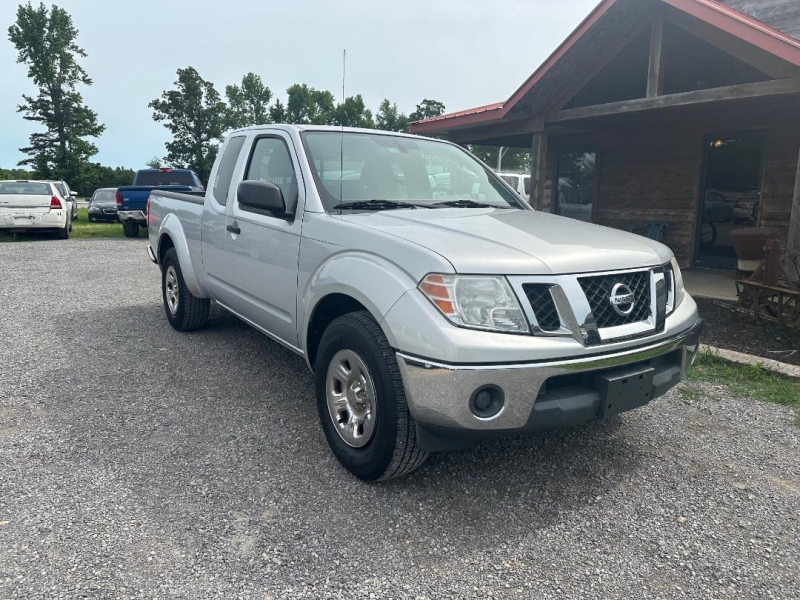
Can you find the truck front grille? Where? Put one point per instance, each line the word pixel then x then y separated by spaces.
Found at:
pixel 598 293
pixel 544 309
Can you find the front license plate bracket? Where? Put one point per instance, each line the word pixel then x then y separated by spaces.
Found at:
pixel 624 389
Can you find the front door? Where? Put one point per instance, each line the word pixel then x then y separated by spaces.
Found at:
pixel 262 249
pixel 730 195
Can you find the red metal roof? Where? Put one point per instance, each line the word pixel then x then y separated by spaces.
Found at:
pixel 712 12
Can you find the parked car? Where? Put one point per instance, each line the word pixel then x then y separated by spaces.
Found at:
pixel 430 317
pixel 67 194
pixel 103 205
pixel 34 205
pixel 520 182
pixel 131 200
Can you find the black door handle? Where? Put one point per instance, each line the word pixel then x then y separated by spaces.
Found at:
pixel 234 229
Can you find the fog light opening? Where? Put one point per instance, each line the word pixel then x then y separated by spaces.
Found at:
pixel 487 401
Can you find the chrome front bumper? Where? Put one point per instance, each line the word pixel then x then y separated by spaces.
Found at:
pixel 438 394
pixel 132 215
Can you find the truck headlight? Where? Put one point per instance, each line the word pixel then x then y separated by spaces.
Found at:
pixel 676 290
pixel 474 301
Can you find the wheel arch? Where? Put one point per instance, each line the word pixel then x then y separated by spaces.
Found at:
pixel 348 283
pixel 172 235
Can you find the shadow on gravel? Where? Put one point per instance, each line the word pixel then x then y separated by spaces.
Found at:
pixel 202 426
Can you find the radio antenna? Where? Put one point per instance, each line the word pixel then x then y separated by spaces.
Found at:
pixel 341 122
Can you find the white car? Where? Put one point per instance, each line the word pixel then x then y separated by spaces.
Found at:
pixel 34 205
pixel 519 181
pixel 70 196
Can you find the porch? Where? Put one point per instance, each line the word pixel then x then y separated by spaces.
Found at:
pixel 677 112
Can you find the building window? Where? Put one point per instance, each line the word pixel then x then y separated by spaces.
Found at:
pixel 576 190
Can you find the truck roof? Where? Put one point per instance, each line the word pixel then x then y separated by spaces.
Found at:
pixel 333 128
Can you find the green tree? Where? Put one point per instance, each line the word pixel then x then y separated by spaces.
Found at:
pixel 427 109
pixel 307 105
pixel 515 160
pixel 195 116
pixel 248 103
pixel 16 174
pixel 353 113
pixel 154 163
pixel 389 117
pixel 46 43
pixel 277 112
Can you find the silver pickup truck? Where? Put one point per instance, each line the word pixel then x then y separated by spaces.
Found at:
pixel 432 304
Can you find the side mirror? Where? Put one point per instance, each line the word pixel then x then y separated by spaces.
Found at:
pixel 261 197
pixel 74 194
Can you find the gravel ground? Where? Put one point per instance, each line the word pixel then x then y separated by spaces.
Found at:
pixel 139 462
pixel 726 327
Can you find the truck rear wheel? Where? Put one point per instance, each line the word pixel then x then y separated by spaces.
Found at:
pixel 361 401
pixel 130 229
pixel 185 312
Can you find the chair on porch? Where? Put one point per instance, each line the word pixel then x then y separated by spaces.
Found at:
pixel 654 230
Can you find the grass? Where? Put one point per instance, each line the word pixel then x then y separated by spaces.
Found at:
pixel 81 229
pixel 745 381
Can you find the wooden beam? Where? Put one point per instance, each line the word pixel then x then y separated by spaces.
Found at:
pixel 732 92
pixel 793 245
pixel 590 71
pixel 538 169
pixel 655 73
pixel 474 135
pixel 755 57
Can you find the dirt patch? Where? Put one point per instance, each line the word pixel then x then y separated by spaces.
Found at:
pixel 725 327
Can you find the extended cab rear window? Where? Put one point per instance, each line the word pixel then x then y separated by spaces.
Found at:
pixel 164 178
pixel 8 188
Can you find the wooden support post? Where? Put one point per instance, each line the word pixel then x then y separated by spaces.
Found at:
pixel 655 73
pixel 793 244
pixel 538 168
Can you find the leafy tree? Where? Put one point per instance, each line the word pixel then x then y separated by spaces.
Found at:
pixel 16 174
pixel 248 103
pixel 46 43
pixel 307 105
pixel 354 113
pixel 95 175
pixel 154 163
pixel 426 109
pixel 515 160
pixel 277 112
pixel 389 118
pixel 195 115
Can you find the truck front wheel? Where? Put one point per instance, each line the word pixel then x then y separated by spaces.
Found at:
pixel 130 229
pixel 361 401
pixel 185 312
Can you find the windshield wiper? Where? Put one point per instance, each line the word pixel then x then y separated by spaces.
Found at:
pixel 464 203
pixel 377 204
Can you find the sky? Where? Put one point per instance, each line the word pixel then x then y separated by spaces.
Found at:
pixel 464 53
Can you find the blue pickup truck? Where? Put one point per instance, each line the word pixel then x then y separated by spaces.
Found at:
pixel 132 199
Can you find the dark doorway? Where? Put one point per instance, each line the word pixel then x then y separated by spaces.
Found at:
pixel 730 195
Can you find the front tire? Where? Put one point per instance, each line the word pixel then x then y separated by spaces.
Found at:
pixel 185 312
pixel 361 401
pixel 130 229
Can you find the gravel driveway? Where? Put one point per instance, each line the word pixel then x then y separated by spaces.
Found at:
pixel 139 462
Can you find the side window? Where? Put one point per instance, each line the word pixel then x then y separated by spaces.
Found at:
pixel 271 162
pixel 222 182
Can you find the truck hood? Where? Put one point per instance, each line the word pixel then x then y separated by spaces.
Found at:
pixel 516 242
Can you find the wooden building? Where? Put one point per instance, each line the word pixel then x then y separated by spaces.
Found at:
pixel 684 112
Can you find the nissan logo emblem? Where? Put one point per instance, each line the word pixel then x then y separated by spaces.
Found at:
pixel 621 299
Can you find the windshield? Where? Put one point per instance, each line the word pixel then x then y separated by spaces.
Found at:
pixel 103 196
pixel 164 178
pixel 409 172
pixel 8 188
